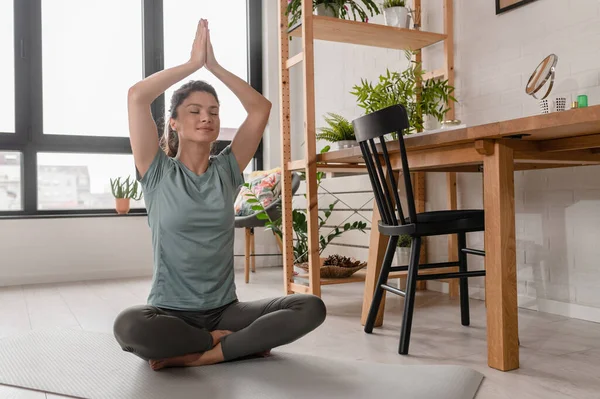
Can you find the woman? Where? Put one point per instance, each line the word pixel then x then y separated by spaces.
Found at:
pixel 193 316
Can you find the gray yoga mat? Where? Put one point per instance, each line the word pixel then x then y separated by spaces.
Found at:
pixel 91 365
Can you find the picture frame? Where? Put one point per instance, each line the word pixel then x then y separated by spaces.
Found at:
pixel 507 5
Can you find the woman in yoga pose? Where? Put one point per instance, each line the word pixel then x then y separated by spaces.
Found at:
pixel 193 316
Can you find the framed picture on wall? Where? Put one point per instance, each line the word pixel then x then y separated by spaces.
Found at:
pixel 507 5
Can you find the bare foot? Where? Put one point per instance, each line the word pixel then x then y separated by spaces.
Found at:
pixel 264 354
pixel 218 335
pixel 213 356
pixel 179 361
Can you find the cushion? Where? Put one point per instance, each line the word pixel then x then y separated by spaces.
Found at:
pixel 264 185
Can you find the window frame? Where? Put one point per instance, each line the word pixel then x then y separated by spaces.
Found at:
pixel 29 139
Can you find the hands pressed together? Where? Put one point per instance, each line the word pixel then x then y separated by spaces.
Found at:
pixel 202 53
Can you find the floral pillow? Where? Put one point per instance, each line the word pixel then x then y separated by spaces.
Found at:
pixel 264 185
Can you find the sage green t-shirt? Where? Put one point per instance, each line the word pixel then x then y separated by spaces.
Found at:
pixel 192 222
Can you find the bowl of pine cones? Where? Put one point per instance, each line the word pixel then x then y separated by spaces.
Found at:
pixel 337 266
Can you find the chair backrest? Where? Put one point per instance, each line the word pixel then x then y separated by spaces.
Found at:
pixel 367 128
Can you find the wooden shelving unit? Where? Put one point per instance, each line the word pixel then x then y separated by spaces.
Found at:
pixel 311 28
pixel 365 34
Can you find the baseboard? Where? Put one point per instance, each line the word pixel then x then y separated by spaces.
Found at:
pixel 69 277
pixel 571 310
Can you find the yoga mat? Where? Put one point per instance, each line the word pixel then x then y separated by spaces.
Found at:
pixel 91 365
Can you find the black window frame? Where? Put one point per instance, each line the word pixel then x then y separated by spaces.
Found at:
pixel 28 138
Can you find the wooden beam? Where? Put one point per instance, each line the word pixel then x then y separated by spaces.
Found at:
pixel 420 196
pixel 501 260
pixel 449 49
pixel 460 155
pixel 435 74
pixel 286 151
pixel 369 34
pixel 300 289
pixel 452 239
pixel 577 157
pixel 571 143
pixel 310 148
pixel 451 177
pixel 484 147
pixel 294 60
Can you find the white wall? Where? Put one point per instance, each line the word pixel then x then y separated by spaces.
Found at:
pixel 558 211
pixel 72 249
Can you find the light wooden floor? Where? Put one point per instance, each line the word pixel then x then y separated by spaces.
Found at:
pixel 560 357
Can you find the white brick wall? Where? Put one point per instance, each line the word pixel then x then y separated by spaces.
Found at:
pixel 558 210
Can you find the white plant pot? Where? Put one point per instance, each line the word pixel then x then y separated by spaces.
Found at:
pixel 402 256
pixel 401 259
pixel 325 11
pixel 396 16
pixel 342 144
pixel 430 123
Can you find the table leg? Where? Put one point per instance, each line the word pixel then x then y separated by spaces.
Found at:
pixel 377 247
pixel 500 259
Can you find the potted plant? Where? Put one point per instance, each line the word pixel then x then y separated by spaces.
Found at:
pixel 403 250
pixel 339 131
pixel 124 191
pixel 334 8
pixel 300 228
pixel 431 98
pixel 395 13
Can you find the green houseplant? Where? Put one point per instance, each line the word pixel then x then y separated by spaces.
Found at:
pixel 393 88
pixel 336 8
pixel 124 191
pixel 300 224
pixel 338 130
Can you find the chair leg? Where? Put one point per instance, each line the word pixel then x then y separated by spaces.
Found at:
pixel 409 299
pixel 383 278
pixel 247 255
pixel 464 282
pixel 253 250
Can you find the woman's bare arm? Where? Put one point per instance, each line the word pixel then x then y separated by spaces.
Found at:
pixel 248 136
pixel 142 128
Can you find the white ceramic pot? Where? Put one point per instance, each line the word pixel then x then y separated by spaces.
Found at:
pixel 396 16
pixel 402 256
pixel 340 145
pixel 325 11
pixel 430 123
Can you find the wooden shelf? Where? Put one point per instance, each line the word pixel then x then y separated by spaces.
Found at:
pixel 369 34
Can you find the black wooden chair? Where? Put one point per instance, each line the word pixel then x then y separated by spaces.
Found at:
pixel 393 223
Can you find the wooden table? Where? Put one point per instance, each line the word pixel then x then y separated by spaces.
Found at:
pixel 560 139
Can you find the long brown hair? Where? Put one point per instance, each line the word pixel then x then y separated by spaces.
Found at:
pixel 169 141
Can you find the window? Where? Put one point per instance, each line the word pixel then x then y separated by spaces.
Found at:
pixel 228 27
pixel 91 55
pixel 81 181
pixel 10 181
pixel 7 68
pixel 66 135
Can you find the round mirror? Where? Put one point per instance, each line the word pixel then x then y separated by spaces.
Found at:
pixel 541 75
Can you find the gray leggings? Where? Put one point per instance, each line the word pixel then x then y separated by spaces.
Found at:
pixel 157 333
